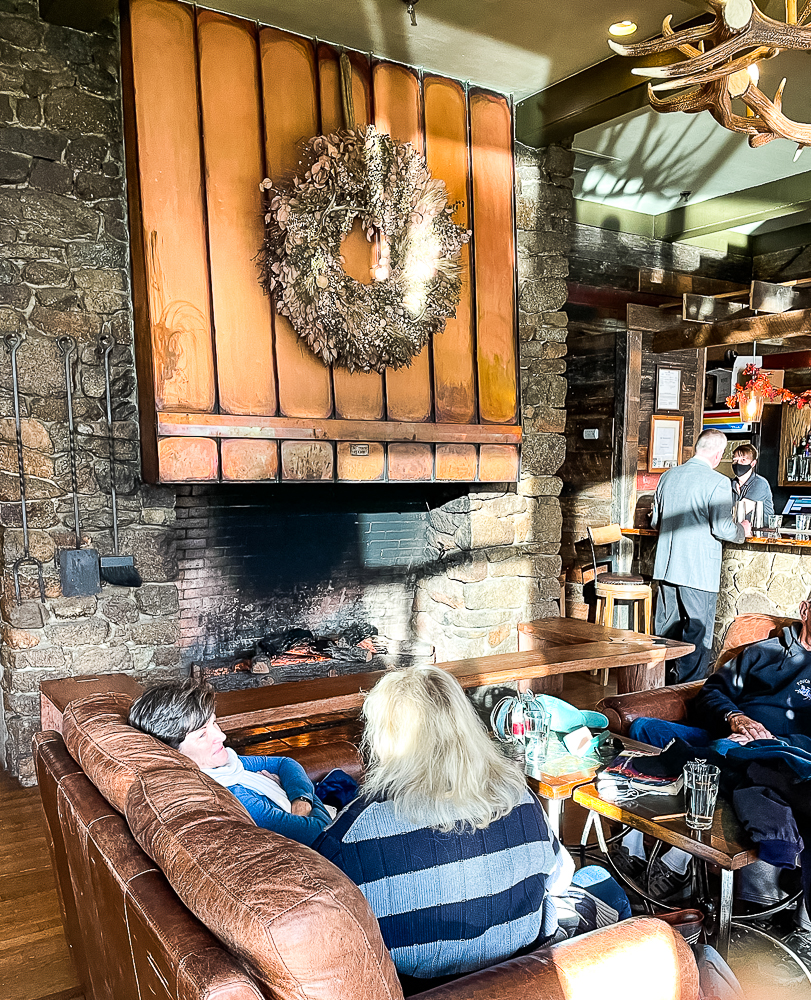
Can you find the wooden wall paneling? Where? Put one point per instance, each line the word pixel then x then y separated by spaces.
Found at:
pixel 397 104
pixel 499 463
pixel 358 396
pixel 248 459
pixel 411 462
pixel 234 159
pixel 626 451
pixel 187 458
pixel 457 462
pixel 307 460
pixel 361 463
pixel 172 204
pixel 446 152
pixel 494 257
pixel 289 93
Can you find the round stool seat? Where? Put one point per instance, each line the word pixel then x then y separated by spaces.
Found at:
pixel 620 579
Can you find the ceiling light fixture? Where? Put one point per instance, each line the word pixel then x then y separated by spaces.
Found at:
pixel 621 28
pixel 720 59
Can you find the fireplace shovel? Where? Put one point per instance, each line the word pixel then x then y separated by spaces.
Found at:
pixel 13 341
pixel 78 567
pixel 116 569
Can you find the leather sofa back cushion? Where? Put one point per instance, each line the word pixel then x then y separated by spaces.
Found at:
pixel 745 630
pixel 299 923
pixel 113 754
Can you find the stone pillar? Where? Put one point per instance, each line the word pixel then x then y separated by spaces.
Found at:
pixel 496 551
pixel 64 269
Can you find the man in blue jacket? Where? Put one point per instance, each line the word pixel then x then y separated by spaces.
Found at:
pixel 765 692
pixel 275 790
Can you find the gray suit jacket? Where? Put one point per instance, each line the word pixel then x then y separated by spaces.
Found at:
pixel 693 511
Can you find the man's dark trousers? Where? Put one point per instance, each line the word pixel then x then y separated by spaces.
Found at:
pixel 688 615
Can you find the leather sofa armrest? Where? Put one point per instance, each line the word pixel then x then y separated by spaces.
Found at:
pixel 668 703
pixel 638 957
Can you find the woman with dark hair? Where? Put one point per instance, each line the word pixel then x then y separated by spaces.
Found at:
pixel 452 850
pixel 275 790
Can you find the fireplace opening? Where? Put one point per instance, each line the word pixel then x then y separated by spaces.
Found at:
pixel 335 562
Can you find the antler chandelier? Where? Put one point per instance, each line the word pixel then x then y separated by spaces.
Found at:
pixel 721 64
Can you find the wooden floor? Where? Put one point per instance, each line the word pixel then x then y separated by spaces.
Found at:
pixel 34 960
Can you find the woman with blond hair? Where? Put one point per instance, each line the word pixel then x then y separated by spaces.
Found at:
pixel 447 843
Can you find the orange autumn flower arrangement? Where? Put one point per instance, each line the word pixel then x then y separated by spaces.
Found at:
pixel 759 382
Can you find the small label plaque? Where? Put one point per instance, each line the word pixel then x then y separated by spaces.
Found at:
pixel 359 450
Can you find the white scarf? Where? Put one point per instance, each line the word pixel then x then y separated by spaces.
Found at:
pixel 235 773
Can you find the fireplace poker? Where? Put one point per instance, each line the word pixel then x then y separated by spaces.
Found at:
pixel 78 567
pixel 13 342
pixel 116 569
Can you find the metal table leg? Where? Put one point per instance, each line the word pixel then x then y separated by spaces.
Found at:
pixel 554 807
pixel 724 914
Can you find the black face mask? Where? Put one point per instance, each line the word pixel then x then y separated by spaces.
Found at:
pixel 740 469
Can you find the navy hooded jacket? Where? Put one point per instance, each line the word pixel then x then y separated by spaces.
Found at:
pixel 770 681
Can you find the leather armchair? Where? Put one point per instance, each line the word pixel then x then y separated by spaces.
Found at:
pixel 671 703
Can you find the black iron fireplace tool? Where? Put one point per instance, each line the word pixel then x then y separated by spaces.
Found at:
pixel 116 569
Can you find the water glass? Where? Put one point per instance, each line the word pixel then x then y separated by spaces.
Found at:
pixel 536 732
pixel 700 792
pixel 803 522
pixel 775 521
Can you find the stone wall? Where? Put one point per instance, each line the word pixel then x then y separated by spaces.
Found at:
pixel 64 271
pixel 758 579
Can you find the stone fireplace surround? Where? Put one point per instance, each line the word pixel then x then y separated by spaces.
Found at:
pixel 467 566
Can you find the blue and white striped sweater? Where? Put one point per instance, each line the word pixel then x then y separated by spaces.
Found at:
pixel 450 903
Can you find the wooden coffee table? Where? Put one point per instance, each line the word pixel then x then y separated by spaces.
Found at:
pixel 555 780
pixel 725 844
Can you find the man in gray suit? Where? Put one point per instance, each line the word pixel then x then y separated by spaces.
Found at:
pixel 693 511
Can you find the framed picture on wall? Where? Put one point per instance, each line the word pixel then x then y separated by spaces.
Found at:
pixel 668 388
pixel 664 450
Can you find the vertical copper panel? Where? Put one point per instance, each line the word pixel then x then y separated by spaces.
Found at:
pixel 167 121
pixel 232 142
pixel 498 463
pixel 456 462
pixel 291 118
pixel 355 466
pixel 446 150
pixel 249 459
pixel 411 462
pixel 492 161
pixel 398 111
pixel 358 396
pixel 307 460
pixel 187 459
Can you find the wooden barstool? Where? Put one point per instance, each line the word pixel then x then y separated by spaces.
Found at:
pixel 612 587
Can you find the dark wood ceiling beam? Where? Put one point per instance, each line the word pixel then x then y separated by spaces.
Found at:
pixel 676 284
pixel 742 331
pixel 708 309
pixel 86 15
pixel 770 298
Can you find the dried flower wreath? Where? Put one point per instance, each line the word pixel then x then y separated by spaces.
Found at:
pixel 362 173
pixel 760 383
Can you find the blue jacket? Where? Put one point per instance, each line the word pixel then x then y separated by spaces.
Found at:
pixel 770 681
pixel 296 785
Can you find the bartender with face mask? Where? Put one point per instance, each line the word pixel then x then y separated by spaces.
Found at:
pixel 747 484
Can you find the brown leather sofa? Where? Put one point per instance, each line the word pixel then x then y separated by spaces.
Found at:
pixel 670 703
pixel 169 890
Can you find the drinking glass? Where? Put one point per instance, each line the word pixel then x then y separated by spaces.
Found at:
pixel 803 522
pixel 776 522
pixel 536 732
pixel 700 792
